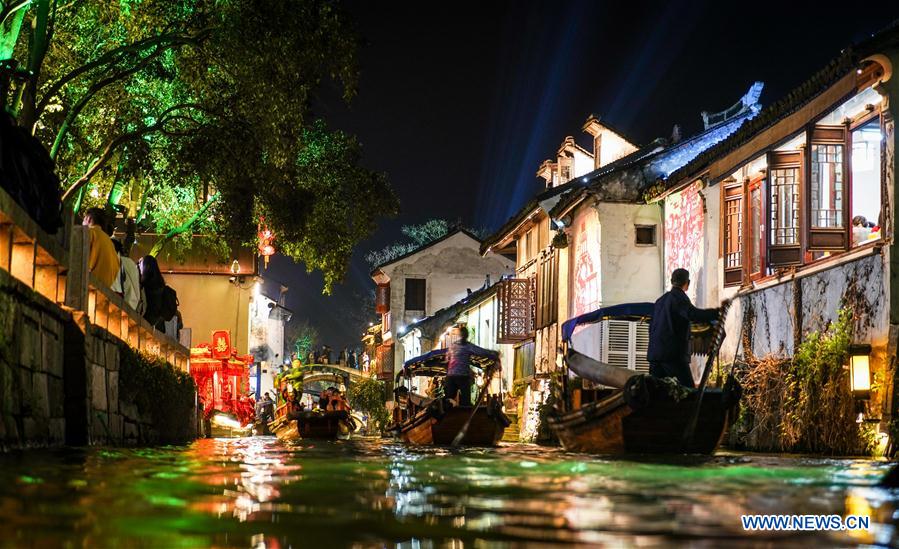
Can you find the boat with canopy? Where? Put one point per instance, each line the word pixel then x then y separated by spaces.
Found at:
pixel 294 421
pixel 435 420
pixel 638 413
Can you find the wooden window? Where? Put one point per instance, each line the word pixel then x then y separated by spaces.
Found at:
pixel 516 310
pixel 865 182
pixel 382 298
pixel 754 230
pixel 645 235
pixel 524 360
pixel 783 205
pixel 826 223
pixel 415 294
pixel 732 195
pixel 548 289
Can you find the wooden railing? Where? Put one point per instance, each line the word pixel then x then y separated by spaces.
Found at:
pixel 56 268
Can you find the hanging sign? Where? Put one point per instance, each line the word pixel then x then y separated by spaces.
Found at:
pixel 221 344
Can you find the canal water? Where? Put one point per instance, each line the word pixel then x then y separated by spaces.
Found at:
pixel 259 492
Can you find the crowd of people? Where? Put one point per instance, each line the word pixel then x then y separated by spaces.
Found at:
pixel 347 357
pixel 140 284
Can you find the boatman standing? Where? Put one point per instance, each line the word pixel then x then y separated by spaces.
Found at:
pixel 458 371
pixel 669 331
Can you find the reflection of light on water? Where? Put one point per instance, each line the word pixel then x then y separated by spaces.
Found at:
pixel 880 505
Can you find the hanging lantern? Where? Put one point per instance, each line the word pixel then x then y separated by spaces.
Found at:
pixel 860 371
pixel 266 238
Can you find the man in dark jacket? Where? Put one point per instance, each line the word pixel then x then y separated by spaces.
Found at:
pixel 669 331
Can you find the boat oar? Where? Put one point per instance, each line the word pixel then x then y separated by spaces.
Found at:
pixel 461 434
pixel 719 339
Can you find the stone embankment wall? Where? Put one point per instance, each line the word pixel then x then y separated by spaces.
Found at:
pixel 60 379
pixel 61 339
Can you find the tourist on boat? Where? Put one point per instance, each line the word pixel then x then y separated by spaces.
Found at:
pixel 324 399
pixel 458 371
pixel 265 409
pixel 338 401
pixel 669 331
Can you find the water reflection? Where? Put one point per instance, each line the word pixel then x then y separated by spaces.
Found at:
pixel 257 492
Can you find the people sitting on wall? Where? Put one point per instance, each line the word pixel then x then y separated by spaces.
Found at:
pixel 103 261
pixel 127 283
pixel 861 230
pixel 152 284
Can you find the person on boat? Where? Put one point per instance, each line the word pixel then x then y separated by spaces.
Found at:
pixel 338 402
pixel 458 370
pixel 669 331
pixel 265 409
pixel 324 399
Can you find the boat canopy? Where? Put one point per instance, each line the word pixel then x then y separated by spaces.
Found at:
pixel 625 311
pixel 434 364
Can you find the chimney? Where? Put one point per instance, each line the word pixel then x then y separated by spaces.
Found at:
pixel 594 128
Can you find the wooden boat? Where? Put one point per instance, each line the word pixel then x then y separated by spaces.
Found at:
pixel 436 421
pixel 642 414
pixel 316 424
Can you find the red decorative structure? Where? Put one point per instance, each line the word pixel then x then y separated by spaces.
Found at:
pixel 222 378
pixel 266 237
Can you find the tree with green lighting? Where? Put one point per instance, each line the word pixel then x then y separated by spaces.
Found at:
pixel 193 117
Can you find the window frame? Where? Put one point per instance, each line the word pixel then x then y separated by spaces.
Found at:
pixel 655 237
pixel 733 191
pixel 827 239
pixel 423 295
pixel 785 255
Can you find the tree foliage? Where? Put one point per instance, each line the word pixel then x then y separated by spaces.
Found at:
pixel 154 107
pixel 418 237
pixel 368 396
pixel 302 337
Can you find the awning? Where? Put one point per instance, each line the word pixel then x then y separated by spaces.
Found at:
pixel 625 311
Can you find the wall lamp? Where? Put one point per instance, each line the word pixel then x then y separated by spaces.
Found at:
pixel 860 371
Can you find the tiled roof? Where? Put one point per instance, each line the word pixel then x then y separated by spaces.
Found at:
pixel 424 247
pixel 790 103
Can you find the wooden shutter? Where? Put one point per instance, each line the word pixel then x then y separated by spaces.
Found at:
pixel 548 289
pixel 516 311
pixel 783 206
pixel 624 344
pixel 826 204
pixel 754 235
pixel 382 298
pixel 732 216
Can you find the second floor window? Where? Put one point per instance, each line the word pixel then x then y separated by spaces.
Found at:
pixel 415 294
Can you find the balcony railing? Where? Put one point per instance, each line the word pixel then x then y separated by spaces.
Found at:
pixel 56 268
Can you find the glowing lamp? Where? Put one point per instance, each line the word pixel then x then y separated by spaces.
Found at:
pixel 235 267
pixel 860 370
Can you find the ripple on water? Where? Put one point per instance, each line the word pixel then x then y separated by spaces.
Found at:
pixel 252 491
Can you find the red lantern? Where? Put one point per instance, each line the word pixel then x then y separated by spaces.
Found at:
pixel 266 237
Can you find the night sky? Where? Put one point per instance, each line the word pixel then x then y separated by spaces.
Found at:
pixel 460 102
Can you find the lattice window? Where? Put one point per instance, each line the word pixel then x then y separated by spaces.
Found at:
pixel 755 224
pixel 516 310
pixel 548 286
pixel 826 186
pixel 733 232
pixel 784 206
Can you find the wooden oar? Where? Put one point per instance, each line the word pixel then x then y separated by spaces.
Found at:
pixel 461 434
pixel 719 339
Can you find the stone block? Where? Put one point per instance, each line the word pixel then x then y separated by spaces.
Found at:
pixel 115 428
pixel 40 395
pixel 98 388
pixel 57 396
pixel 112 391
pixel 10 429
pixel 29 341
pixel 130 432
pixel 129 410
pixel 52 353
pixel 99 427
pixel 22 390
pixel 57 435
pixel 32 430
pixel 112 356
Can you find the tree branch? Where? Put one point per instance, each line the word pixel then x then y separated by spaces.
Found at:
pixel 110 148
pixel 163 42
pixel 183 228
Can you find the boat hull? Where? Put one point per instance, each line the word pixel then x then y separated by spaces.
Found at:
pixel 611 426
pixel 315 426
pixel 425 428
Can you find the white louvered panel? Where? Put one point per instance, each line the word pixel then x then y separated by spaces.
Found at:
pixel 641 346
pixel 618 352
